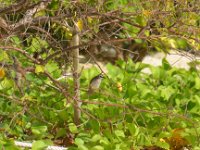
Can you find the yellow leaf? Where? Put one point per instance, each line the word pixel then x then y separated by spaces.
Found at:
pixel 80 24
pixel 68 35
pixel 172 43
pixel 119 86
pixel 146 13
pixel 2 73
pixel 89 19
pixel 19 122
pixel 39 68
pixel 162 140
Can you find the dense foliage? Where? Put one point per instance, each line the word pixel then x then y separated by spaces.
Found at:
pixel 132 109
pixel 39 84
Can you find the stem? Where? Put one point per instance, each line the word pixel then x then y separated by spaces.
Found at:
pixel 75 69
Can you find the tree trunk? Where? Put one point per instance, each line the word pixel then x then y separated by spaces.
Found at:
pixel 75 69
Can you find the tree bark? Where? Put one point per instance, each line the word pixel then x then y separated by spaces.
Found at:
pixel 75 69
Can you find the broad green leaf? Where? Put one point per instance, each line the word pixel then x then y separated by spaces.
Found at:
pixel 16 40
pixel 39 129
pixel 79 141
pixel 131 90
pixel 97 147
pixel 61 132
pixel 3 56
pixel 166 92
pixel 197 83
pixel 54 5
pixel 6 84
pixel 166 64
pixel 141 20
pixel 107 133
pixel 9 144
pixel 134 130
pixel 63 115
pixel 119 133
pixel 94 125
pixel 182 43
pixel 164 134
pixel 30 77
pixel 157 72
pixel 51 66
pixel 73 128
pixel 143 139
pixel 40 145
pixel 82 147
pixel 104 141
pixel 146 93
pixel 197 99
pixel 163 145
pixel 96 138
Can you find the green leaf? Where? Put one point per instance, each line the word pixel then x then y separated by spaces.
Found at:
pixel 97 147
pixel 3 56
pixel 40 145
pixel 63 115
pixel 131 90
pixel 51 67
pixel 82 147
pixel 96 138
pixel 157 72
pixel 143 139
pixel 182 43
pixel 16 40
pixel 166 65
pixel 54 5
pixel 141 20
pixel 146 93
pixel 30 77
pixel 104 141
pixel 197 83
pixel 107 133
pixel 9 144
pixel 119 133
pixel 79 141
pixel 134 130
pixel 61 132
pixel 73 128
pixel 95 126
pixel 166 92
pixel 6 84
pixel 39 129
pixel 163 145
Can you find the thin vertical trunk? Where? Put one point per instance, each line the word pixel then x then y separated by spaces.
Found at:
pixel 77 103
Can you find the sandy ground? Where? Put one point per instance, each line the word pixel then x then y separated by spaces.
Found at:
pixel 176 59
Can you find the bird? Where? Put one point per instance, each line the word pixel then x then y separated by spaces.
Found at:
pixel 95 83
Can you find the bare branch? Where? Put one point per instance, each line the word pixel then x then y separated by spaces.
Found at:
pixel 28 16
pixel 15 7
pixel 62 89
